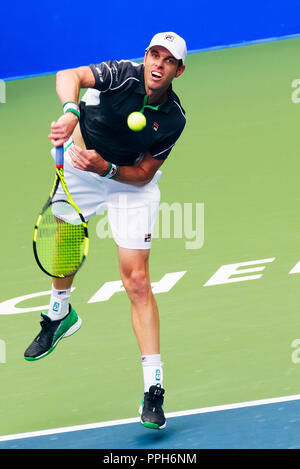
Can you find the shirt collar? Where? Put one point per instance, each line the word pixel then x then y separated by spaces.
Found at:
pixel 140 89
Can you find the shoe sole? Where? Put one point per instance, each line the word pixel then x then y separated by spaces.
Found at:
pixel 76 326
pixel 153 426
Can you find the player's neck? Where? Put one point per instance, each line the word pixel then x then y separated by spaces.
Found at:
pixel 156 97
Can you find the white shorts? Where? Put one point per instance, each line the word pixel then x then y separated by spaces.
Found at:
pixel 131 210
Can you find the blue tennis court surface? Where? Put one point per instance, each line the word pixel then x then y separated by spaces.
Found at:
pixel 272 425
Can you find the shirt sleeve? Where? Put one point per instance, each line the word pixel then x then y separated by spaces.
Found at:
pixel 103 76
pixel 110 75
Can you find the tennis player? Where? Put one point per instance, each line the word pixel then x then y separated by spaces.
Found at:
pixel 109 166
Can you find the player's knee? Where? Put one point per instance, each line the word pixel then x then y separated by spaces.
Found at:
pixel 137 285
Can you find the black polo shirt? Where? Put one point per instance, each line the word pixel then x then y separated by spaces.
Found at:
pixel 118 91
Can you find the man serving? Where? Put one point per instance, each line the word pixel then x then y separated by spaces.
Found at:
pixel 109 166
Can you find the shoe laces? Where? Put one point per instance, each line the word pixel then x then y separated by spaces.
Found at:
pixel 154 398
pixel 45 323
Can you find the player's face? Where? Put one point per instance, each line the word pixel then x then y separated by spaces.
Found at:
pixel 160 68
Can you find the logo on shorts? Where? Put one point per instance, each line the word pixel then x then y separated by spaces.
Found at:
pixel 155 126
pixel 147 238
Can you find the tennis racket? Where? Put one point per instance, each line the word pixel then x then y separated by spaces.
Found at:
pixel 60 236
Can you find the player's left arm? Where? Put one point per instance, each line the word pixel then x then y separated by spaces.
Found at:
pixel 140 175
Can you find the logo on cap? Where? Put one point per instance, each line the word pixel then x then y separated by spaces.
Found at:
pixel 169 37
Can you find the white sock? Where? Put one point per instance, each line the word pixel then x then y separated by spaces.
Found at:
pixel 59 303
pixel 152 370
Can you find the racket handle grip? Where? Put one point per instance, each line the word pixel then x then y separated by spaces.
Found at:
pixel 59 157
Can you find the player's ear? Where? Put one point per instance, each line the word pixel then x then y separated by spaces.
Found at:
pixel 145 56
pixel 180 70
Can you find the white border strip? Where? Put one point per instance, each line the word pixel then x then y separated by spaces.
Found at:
pixel 111 423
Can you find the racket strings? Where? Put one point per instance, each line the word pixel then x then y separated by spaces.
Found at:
pixel 60 244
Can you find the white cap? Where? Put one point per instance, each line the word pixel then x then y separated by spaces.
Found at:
pixel 171 41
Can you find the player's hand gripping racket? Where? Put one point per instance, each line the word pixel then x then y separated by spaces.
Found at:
pixel 60 237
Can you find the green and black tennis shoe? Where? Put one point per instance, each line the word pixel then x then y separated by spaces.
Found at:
pixel 151 410
pixel 51 333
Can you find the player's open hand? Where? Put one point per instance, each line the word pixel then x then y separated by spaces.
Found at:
pixel 87 160
pixel 62 129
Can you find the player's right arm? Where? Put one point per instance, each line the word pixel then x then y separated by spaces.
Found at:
pixel 68 85
pixel 69 82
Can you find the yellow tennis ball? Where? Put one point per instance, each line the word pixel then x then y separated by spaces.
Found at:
pixel 136 121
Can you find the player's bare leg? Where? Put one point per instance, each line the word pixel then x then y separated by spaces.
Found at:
pixel 134 269
pixel 62 283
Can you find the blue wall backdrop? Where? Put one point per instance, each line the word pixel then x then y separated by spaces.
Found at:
pixel 43 37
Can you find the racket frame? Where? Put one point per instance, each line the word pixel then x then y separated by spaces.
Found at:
pixel 60 178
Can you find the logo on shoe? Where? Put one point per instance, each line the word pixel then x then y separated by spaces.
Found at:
pixel 55 306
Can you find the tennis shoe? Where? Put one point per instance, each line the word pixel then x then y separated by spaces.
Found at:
pixel 51 333
pixel 151 410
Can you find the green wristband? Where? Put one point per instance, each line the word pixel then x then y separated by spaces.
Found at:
pixel 107 171
pixel 112 171
pixel 70 106
pixel 74 111
pixel 117 169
